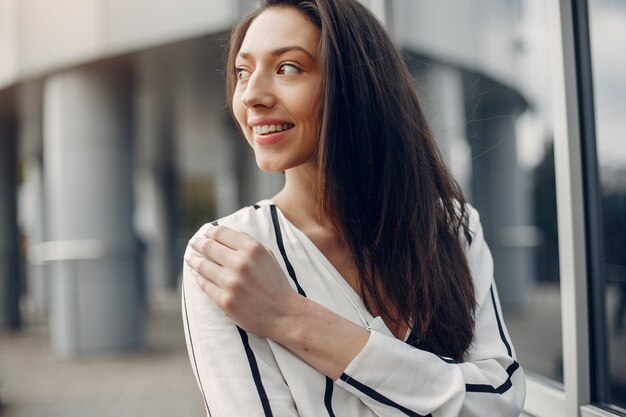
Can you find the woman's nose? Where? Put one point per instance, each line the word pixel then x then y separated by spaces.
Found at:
pixel 258 91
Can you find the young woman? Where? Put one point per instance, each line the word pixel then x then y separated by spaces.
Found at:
pixel 364 287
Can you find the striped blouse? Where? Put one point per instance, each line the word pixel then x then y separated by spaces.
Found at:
pixel 241 374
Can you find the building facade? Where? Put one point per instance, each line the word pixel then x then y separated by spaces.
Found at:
pixel 116 145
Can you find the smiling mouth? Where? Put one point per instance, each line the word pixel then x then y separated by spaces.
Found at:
pixel 266 129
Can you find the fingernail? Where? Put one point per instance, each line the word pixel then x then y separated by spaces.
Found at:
pixel 209 230
pixel 196 242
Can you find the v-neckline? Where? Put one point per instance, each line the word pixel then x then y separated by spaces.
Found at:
pixel 306 240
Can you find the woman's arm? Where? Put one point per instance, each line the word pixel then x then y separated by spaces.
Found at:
pixel 388 375
pixel 242 278
pixel 235 370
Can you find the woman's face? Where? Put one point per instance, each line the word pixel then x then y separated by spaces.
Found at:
pixel 278 89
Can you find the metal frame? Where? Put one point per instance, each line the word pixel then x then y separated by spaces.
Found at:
pixel 571 217
pixel 599 383
pixel 591 411
pixel 576 180
pixel 543 400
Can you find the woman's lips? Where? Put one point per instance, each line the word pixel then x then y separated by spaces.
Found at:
pixel 270 138
pixel 270 131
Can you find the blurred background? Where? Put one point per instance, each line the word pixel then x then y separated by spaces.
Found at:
pixel 116 145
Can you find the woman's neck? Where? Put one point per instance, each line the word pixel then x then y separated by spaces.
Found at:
pixel 298 200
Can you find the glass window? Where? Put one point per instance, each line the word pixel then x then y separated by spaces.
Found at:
pixel 483 78
pixel 607 32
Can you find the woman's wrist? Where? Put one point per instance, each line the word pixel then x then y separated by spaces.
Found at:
pixel 318 336
pixel 289 327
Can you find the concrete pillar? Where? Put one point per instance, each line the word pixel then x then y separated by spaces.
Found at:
pixel 206 143
pixel 32 202
pixel 244 7
pixel 9 240
pixel 443 103
pixel 254 183
pixel 91 247
pixel 156 180
pixel 500 188
pixel 268 184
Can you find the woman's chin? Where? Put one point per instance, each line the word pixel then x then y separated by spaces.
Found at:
pixel 271 163
pixel 269 166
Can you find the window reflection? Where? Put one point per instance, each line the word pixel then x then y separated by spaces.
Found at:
pixel 484 82
pixel 607 26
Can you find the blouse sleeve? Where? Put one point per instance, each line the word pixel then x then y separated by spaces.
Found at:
pixel 392 378
pixel 236 371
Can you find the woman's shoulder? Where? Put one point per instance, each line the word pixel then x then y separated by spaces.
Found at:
pixel 253 220
pixel 473 222
pixel 477 251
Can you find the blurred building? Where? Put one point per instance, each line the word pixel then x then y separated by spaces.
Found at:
pixel 116 145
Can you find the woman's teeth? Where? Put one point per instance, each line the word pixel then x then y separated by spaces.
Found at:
pixel 262 130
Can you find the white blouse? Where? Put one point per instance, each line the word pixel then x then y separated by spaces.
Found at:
pixel 241 374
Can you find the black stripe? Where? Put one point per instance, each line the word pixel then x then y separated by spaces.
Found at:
pixel 328 397
pixel 193 353
pixel 378 396
pixel 255 372
pixel 506 385
pixel 512 368
pixel 500 328
pixel 281 247
pixel 254 367
pixel 490 389
pixel 469 235
pixel 256 206
pixel 328 393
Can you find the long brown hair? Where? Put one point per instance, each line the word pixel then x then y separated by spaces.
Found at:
pixel 382 180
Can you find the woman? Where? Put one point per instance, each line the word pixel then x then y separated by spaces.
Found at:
pixel 364 287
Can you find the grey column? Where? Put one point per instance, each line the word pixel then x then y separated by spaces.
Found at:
pixel 255 184
pixel 9 241
pixel 205 147
pixel 155 176
pixel 501 189
pixel 445 110
pixel 33 200
pixel 91 247
pixel 244 7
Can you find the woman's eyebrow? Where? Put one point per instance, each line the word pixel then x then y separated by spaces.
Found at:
pixel 283 50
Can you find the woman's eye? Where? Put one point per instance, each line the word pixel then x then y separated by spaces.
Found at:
pixel 242 73
pixel 289 69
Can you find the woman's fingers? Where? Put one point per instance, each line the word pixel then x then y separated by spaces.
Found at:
pixel 207 286
pixel 204 269
pixel 213 249
pixel 228 237
pixel 241 276
pixel 227 247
